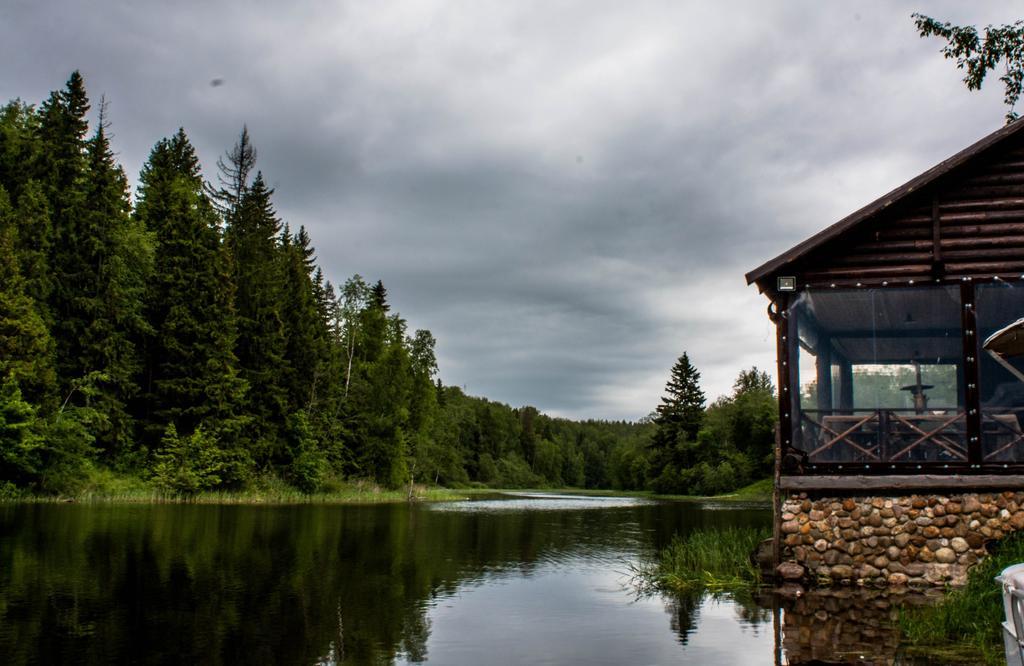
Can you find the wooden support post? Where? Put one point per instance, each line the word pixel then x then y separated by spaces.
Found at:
pixel 824 374
pixel 846 386
pixel 777 502
pixel 787 360
pixel 972 397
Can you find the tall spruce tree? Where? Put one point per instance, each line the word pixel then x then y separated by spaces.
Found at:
pixel 192 371
pixel 679 418
pixel 252 236
pixel 115 261
pixel 61 170
pixel 307 349
pixel 682 407
pixel 328 389
pixel 378 402
pixel 60 163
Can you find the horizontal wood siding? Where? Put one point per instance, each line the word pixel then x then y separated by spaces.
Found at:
pixel 980 210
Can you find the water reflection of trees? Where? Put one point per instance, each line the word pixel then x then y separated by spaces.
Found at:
pixel 209 584
pixel 683 609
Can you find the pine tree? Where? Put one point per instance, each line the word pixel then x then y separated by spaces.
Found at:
pixel 62 133
pixel 192 372
pixel 307 349
pixel 379 297
pixel 61 171
pixel 384 405
pixel 682 408
pixel 373 324
pixel 678 420
pixel 106 310
pixel 233 176
pixel 329 384
pixel 251 235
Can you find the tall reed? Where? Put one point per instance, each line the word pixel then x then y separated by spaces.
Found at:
pixel 716 560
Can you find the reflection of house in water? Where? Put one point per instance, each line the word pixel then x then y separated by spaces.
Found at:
pixel 844 626
pixel 900 373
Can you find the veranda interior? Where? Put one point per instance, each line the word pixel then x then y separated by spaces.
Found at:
pixel 899 328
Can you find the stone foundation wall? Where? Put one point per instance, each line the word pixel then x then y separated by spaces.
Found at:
pixel 917 540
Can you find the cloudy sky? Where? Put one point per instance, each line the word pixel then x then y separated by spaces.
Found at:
pixel 567 193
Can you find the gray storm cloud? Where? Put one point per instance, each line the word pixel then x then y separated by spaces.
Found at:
pixel 566 193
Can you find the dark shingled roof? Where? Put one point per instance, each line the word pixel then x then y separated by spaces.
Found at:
pixel 882 203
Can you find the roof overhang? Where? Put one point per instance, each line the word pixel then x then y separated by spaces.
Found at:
pixel 881 204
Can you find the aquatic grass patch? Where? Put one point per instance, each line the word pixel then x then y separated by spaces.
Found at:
pixel 968 616
pixel 715 560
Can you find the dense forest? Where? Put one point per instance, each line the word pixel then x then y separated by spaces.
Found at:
pixel 186 336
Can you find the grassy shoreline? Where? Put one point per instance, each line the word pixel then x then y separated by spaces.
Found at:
pixel 970 617
pixel 108 487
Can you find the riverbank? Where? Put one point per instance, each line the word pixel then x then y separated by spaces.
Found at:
pixel 108 486
pixel 104 486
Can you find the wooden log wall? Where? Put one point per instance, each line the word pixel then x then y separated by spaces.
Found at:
pixel 969 223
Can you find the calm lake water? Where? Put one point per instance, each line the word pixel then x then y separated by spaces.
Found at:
pixel 506 580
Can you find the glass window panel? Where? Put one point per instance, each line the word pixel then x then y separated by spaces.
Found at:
pixel 1001 372
pixel 879 375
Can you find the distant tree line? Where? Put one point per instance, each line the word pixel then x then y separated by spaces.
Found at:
pixel 189 337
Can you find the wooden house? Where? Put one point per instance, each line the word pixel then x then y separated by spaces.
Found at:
pixel 900 333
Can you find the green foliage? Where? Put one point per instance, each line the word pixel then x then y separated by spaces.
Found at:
pixel 513 472
pixel 68 450
pixel 187 465
pixel 309 465
pixel 717 560
pixel 969 615
pixel 34 245
pixel 26 348
pixel 20 443
pixel 979 56
pixel 487 470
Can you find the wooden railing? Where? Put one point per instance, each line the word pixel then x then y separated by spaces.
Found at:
pixel 1002 436
pixel 885 436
